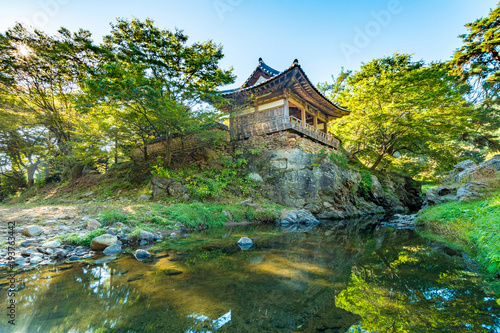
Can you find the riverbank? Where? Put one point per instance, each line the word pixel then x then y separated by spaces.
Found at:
pixel 471 226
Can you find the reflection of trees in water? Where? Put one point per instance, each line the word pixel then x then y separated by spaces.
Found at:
pixel 411 289
pixel 289 282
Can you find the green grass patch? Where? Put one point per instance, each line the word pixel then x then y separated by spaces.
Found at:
pixel 195 214
pixel 111 217
pixel 74 239
pixel 472 226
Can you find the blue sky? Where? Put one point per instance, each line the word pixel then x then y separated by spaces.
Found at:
pixel 323 35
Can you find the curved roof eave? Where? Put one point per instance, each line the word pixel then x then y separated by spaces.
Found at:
pixel 276 77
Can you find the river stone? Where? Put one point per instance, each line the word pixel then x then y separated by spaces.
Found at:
pixel 113 249
pixel 141 255
pixel 245 243
pixel 20 261
pixel 146 236
pixel 32 231
pixel 93 224
pixel 299 217
pixel 28 251
pixel 103 241
pixel 52 244
pixel 27 242
pixel 36 260
pixel 59 254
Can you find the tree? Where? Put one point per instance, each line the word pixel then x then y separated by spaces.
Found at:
pixel 401 107
pixel 40 77
pixel 478 61
pixel 153 76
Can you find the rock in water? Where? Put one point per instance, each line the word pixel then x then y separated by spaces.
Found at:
pixel 32 231
pixel 245 243
pixel 299 217
pixel 141 255
pixel 93 224
pixel 113 249
pixel 103 241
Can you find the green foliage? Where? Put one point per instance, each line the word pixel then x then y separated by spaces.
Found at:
pixel 111 217
pixel 339 159
pixel 255 152
pixel 478 61
pixel 84 241
pixel 366 182
pixel 400 107
pixel 470 225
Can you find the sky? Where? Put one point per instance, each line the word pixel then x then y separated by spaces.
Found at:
pixel 323 35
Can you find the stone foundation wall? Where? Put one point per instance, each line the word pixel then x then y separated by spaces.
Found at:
pixel 282 140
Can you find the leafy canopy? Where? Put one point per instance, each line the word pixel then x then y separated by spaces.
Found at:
pixel 402 111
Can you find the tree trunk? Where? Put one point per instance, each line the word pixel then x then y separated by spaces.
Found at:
pixel 167 158
pixel 31 174
pixel 145 151
pixel 377 162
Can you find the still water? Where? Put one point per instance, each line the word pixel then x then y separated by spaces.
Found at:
pixel 337 277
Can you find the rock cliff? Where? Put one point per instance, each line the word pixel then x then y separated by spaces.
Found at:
pixel 302 180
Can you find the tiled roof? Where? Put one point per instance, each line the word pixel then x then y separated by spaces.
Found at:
pixel 275 75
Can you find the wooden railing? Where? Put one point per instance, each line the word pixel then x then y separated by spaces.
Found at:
pixel 313 132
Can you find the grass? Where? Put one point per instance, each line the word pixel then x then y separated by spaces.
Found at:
pixel 83 241
pixel 473 226
pixel 213 214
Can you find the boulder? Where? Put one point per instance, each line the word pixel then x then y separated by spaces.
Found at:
pixel 112 250
pixel 143 197
pixel 59 254
pixel 245 243
pixel 176 189
pixel 147 236
pixel 52 244
pixel 493 163
pixel 470 191
pixel 159 185
pixel 302 216
pixel 464 165
pixel 93 224
pixel 141 255
pixel 103 241
pixel 32 231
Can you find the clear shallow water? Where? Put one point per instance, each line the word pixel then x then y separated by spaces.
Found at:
pixel 331 278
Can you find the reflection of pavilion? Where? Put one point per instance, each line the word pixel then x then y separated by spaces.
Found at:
pixel 271 101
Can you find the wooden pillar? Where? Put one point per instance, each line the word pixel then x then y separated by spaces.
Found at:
pixel 315 121
pixel 303 115
pixel 286 109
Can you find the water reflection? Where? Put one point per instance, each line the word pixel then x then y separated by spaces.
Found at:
pixel 332 278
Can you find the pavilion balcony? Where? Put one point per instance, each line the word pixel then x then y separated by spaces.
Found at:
pixel 283 124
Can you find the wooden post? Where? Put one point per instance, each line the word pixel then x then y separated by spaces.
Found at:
pixel 286 110
pixel 315 121
pixel 303 115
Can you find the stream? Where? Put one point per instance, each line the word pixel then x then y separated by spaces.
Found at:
pixel 351 276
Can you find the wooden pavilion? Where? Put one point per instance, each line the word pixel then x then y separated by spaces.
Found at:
pixel 270 101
